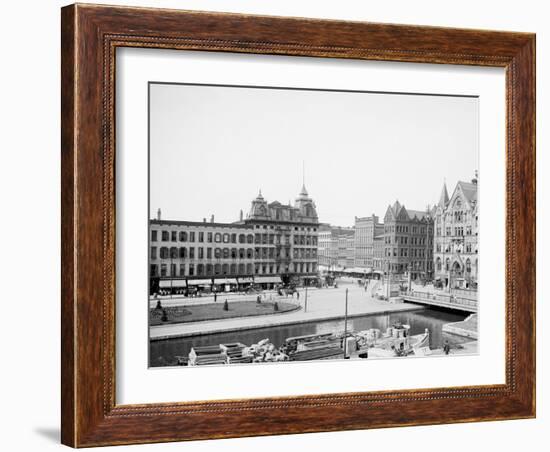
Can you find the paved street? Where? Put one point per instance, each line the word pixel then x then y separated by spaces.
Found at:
pixel 322 304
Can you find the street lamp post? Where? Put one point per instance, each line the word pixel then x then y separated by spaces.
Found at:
pixel 389 281
pixel 171 275
pixel 346 326
pixel 305 301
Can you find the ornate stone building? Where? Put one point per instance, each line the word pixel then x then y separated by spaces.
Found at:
pixel 408 242
pixel 456 236
pixel 285 238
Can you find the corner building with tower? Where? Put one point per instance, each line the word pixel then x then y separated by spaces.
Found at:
pixel 456 237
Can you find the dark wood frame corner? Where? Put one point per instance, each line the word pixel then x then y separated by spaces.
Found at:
pixel 90 35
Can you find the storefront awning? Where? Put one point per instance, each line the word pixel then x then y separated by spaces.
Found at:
pixel 311 277
pixel 199 282
pixel 167 283
pixel 245 280
pixel 225 281
pixel 267 279
pixel 358 270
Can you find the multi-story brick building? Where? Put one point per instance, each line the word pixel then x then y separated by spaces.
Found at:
pixel 324 251
pixel 276 243
pixel 200 253
pixel 408 242
pixel 336 246
pixel 346 249
pixel 366 228
pixel 378 254
pixel 456 236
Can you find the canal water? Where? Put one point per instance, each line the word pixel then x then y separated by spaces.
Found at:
pixel 164 352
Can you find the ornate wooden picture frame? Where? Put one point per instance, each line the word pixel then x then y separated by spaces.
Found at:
pixel 90 37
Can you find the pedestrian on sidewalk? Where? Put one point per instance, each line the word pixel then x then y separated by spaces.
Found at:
pixel 215 297
pixel 446 347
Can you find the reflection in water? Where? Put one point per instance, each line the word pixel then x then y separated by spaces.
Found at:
pixel 163 353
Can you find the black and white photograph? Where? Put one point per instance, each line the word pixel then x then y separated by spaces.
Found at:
pixel 289 224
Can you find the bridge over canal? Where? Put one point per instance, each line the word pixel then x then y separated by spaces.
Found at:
pixel 459 302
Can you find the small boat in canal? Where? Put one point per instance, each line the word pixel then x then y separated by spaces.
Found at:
pixel 396 341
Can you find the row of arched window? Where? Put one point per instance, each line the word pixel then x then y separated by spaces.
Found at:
pixel 223 269
pixel 202 253
pixel 201 237
pixel 439 264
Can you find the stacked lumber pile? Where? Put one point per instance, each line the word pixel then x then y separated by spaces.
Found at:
pixel 318 348
pixel 207 355
pixel 234 353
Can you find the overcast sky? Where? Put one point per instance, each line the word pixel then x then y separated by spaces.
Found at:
pixel 212 148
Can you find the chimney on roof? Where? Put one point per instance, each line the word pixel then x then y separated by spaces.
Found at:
pixel 158 214
pixel 212 219
pixel 204 220
pixel 241 215
pixel 474 180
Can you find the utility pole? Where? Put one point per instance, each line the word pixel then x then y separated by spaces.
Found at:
pixel 427 238
pixel 346 326
pixel 305 302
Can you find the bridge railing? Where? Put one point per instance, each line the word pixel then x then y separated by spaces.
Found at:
pixel 433 298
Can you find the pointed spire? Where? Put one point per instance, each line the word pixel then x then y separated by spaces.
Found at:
pixel 396 207
pixel 444 198
pixel 303 192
